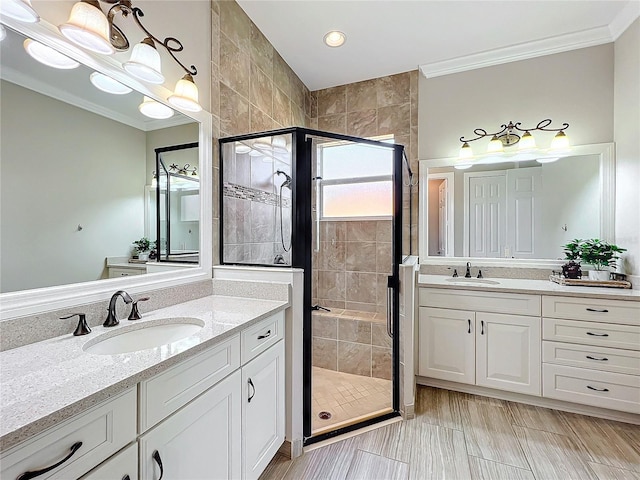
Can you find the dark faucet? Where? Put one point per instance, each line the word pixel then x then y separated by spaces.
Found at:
pixel 468 274
pixel 111 320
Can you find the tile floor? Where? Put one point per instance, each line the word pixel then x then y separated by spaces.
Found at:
pixel 459 436
pixel 349 398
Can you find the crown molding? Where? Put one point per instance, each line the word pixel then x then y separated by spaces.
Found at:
pixel 523 51
pixel 624 19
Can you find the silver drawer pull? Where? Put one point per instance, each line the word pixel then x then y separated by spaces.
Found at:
pixel 604 310
pixel 266 335
pixel 603 359
pixel 598 334
pixel 597 389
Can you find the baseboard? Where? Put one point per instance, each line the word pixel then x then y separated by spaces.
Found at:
pixel 291 449
pixel 528 399
pixel 408 412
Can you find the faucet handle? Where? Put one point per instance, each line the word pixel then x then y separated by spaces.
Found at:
pixel 455 272
pixel 480 273
pixel 135 313
pixel 82 328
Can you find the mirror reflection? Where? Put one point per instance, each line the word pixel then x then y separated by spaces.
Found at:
pixel 76 172
pixel 514 210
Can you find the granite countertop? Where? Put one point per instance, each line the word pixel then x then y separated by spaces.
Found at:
pixel 537 287
pixel 47 382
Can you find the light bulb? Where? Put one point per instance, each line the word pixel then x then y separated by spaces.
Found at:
pixel 88 27
pixel 20 10
pixel 107 84
pixel 495 145
pixel 560 142
pixel 144 63
pixel 48 56
pixel 527 142
pixel 465 151
pixel 152 109
pixel 185 95
pixel 241 148
pixel 335 38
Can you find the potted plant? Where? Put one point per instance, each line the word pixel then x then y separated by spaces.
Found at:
pixel 601 255
pixel 571 269
pixel 143 246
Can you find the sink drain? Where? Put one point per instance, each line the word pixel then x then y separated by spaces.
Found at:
pixel 324 415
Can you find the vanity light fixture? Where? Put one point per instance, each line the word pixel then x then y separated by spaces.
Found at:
pixel 88 27
pixel 144 63
pixel 48 56
pixel 107 84
pixel 334 38
pixel 156 110
pixel 185 95
pixel 20 10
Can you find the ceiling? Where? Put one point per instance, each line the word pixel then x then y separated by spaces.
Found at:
pixel 385 37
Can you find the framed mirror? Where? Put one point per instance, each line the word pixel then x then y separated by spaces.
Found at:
pixel 77 179
pixel 516 211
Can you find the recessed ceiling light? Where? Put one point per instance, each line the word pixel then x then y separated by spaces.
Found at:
pixel 108 84
pixel 335 38
pixel 48 56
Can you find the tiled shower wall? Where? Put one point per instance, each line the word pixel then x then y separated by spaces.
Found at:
pixel 252 87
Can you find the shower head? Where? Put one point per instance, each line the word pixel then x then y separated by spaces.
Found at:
pixel 287 179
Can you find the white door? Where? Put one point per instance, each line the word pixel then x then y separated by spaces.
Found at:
pixel 443 221
pixel 508 352
pixel 487 215
pixel 263 407
pixel 201 441
pixel 447 345
pixel 524 212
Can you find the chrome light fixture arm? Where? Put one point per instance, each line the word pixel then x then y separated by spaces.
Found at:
pixel 120 42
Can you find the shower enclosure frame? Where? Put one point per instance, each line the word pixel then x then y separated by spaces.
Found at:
pixel 302 252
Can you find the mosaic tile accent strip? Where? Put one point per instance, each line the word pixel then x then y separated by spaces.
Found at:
pixel 254 195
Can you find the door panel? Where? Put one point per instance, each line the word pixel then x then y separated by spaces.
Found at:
pixel 524 212
pixel 487 203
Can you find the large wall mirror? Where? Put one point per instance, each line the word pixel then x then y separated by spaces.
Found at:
pixel 79 181
pixel 516 210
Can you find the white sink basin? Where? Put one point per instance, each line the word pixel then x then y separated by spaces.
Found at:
pixel 471 281
pixel 143 336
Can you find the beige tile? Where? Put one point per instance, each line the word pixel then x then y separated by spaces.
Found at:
pixel 331 285
pixel 383 258
pixel 354 358
pixel 361 257
pixel 362 96
pixel 331 256
pixel 235 24
pixel 487 470
pixel 394 90
pixel 325 353
pixel 363 123
pixel 333 123
pixel 394 120
pixel 553 456
pixel 361 231
pixel 370 466
pixel 439 407
pixel 261 51
pixel 383 231
pixel 215 90
pixel 280 73
pixel 234 66
pixel 354 331
pixel 361 287
pixel 605 472
pixel 381 362
pixel 260 121
pixel 297 115
pixel 234 112
pixel 324 326
pixel 489 435
pixel 297 90
pixel 539 418
pixel 281 107
pixel 379 335
pixel 333 231
pixel 605 443
pixel 261 90
pixel 371 308
pixel 332 101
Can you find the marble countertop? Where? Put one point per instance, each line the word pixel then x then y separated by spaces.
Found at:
pixel 47 382
pixel 537 287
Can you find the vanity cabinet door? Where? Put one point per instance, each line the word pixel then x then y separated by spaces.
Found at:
pixel 447 344
pixel 123 466
pixel 200 441
pixel 508 352
pixel 263 406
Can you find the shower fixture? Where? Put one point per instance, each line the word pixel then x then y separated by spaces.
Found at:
pixel 285 184
pixel 287 181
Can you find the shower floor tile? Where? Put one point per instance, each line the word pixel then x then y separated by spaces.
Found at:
pixel 349 398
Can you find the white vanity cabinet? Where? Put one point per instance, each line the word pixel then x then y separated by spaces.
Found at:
pixel 484 348
pixel 122 466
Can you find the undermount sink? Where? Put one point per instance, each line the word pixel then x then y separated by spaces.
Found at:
pixel 472 281
pixel 143 336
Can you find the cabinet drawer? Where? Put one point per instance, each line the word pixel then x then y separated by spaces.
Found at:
pixel 614 311
pixel 165 393
pixel 259 337
pixel 120 466
pixel 591 333
pixel 600 389
pixel 515 303
pixel 125 272
pixel 103 430
pixel 598 358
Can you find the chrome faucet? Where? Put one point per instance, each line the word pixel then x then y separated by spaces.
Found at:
pixel 468 274
pixel 111 320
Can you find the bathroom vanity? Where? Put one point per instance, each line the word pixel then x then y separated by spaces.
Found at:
pixel 533 341
pixel 211 404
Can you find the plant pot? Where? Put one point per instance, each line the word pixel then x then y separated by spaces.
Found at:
pixel 144 256
pixel 571 270
pixel 598 275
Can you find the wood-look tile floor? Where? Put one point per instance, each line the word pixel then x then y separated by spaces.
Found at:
pixel 349 398
pixel 459 436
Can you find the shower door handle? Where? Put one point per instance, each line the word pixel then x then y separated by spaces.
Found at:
pixel 389 306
